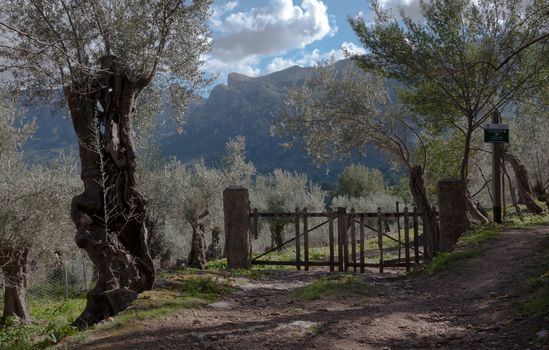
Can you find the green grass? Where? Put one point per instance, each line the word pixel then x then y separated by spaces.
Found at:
pixel 337 285
pixel 482 233
pixel 51 321
pixel 528 220
pixel 537 302
pixel 466 247
pixel 445 261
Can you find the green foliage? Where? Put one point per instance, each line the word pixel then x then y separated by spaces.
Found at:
pixel 51 323
pixel 218 264
pixel 402 190
pixel 359 181
pixel 444 160
pixel 332 286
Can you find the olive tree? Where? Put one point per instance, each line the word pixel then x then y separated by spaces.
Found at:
pixel 34 211
pixel 338 112
pixel 102 54
pixel 193 193
pixel 283 192
pixel 359 181
pixel 461 62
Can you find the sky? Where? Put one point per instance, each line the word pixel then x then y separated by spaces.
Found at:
pixel 257 37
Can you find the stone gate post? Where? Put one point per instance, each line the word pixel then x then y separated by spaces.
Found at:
pixel 238 243
pixel 453 219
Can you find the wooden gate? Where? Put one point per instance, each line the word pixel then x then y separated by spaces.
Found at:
pixel 348 233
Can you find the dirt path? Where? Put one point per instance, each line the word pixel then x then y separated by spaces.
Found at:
pixel 474 306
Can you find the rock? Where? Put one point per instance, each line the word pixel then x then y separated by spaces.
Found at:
pixel 300 327
pixel 223 305
pixel 543 334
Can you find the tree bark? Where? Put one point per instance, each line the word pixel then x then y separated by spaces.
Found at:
pixel 15 290
pixel 214 249
pixel 279 235
pixel 419 194
pixel 475 216
pixel 110 215
pixel 197 255
pixel 523 184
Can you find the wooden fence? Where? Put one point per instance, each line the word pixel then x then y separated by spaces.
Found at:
pixel 346 238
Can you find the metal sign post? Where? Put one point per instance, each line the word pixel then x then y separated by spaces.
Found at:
pixel 497 134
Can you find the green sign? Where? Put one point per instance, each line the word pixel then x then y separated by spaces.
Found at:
pixel 496 133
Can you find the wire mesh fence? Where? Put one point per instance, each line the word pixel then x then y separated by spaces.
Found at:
pixel 57 277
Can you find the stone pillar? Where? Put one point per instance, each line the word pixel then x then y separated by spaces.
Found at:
pixel 238 242
pixel 452 204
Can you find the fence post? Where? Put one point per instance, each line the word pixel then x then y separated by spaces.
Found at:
pixel 305 239
pixel 362 243
pixel 256 224
pixel 236 210
pixel 341 228
pixel 331 237
pixel 398 228
pixel 353 239
pixel 435 248
pixel 406 239
pixel 380 238
pixel 66 280
pixel 85 284
pixel 297 241
pixel 416 238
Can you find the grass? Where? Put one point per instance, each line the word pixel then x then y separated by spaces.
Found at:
pixel 537 302
pixel 448 260
pixel 336 285
pixel 52 319
pixel 529 220
pixel 51 322
pixel 466 247
pixel 482 233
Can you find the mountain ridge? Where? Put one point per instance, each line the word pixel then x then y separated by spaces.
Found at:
pixel 244 106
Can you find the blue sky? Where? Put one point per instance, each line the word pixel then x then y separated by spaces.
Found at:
pixel 256 37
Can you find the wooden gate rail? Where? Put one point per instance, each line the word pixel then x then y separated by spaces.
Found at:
pixel 346 222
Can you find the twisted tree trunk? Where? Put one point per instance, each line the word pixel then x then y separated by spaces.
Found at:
pixel 523 184
pixel 279 235
pixel 110 215
pixel 419 194
pixel 214 249
pixel 15 290
pixel 197 255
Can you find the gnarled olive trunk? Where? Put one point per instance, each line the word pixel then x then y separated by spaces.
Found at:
pixel 279 235
pixel 197 255
pixel 15 291
pixel 110 215
pixel 214 251
pixel 526 195
pixel 419 194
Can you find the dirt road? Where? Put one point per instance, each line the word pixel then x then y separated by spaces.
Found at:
pixel 475 305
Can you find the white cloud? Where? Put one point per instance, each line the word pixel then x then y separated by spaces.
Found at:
pixel 352 49
pixel 219 10
pixel 247 66
pixel 410 7
pixel 279 26
pixel 311 58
